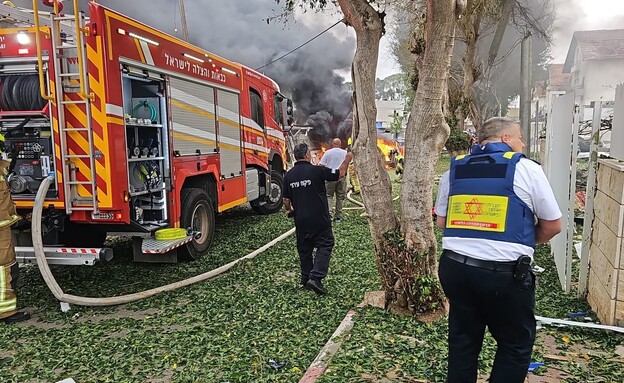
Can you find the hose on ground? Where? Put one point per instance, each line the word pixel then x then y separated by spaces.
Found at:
pixel 54 287
pixel 359 204
pixel 354 201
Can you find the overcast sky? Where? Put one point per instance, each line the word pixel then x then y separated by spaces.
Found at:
pixel 572 15
pixel 582 15
pixel 237 29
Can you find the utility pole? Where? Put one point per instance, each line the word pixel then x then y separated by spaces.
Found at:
pixel 185 32
pixel 505 12
pixel 525 94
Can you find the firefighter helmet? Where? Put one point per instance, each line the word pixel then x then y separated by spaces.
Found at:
pixel 2 144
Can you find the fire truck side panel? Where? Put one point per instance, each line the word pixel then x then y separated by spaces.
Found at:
pixel 108 138
pixel 191 173
pixel 204 125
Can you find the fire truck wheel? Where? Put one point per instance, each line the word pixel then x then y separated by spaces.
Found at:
pixel 275 199
pixel 198 215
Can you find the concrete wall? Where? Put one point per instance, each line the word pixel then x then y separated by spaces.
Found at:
pixel 606 273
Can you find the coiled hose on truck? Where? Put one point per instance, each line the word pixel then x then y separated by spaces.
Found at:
pixel 54 287
pixel 21 92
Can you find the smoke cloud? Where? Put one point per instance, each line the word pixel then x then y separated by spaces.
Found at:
pixel 572 16
pixel 238 31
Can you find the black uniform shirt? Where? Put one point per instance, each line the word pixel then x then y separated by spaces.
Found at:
pixel 304 186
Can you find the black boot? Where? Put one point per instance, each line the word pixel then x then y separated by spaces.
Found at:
pixel 317 286
pixel 17 317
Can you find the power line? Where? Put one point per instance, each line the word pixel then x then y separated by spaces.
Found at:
pixel 508 53
pixel 300 46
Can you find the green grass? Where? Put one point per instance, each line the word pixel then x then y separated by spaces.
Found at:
pixel 444 163
pixel 225 330
pixel 216 331
pixel 383 345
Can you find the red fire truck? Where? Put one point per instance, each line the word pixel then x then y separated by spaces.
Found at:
pixel 140 130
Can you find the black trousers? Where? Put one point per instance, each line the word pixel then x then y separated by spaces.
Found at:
pixel 315 267
pixel 480 298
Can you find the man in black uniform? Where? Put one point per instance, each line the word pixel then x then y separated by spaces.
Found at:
pixel 305 197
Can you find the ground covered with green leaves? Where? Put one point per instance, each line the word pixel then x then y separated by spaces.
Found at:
pixel 221 330
pixel 227 329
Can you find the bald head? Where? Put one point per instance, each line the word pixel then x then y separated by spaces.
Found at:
pixel 336 143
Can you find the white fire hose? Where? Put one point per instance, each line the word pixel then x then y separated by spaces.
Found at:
pixel 44 268
pixel 359 205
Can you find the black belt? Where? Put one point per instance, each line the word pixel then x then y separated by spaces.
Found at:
pixel 488 265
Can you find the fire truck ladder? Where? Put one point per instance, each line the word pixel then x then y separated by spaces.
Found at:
pixel 68 78
pixel 296 134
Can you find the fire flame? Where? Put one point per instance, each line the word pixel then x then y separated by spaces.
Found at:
pixel 387 148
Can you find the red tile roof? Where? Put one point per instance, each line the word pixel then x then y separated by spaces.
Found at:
pixel 557 80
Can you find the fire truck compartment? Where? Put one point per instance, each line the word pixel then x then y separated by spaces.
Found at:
pixel 25 124
pixel 147 148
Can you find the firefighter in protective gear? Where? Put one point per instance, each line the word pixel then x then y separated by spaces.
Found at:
pixel 9 270
pixel 353 180
pixel 399 166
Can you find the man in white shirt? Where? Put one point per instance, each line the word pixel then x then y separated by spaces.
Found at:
pixel 488 204
pixel 332 159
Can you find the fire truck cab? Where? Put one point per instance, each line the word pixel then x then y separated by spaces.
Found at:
pixel 140 131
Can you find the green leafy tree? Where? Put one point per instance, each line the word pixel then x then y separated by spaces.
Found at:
pixel 484 73
pixel 396 126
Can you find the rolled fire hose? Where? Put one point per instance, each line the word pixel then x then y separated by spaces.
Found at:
pixel 46 273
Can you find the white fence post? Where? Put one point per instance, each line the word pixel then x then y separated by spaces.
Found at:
pixel 617 133
pixel 560 161
pixel 590 192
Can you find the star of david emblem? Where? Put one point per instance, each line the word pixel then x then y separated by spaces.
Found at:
pixel 473 208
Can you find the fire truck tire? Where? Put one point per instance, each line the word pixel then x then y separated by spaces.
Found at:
pixel 275 199
pixel 197 214
pixel 76 235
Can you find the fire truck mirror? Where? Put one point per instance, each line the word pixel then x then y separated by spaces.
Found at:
pixel 287 115
pixel 289 107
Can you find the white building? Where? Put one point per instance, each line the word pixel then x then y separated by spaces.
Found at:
pixel 595 61
pixel 386 111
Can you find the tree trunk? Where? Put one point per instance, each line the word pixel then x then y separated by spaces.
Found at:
pixel 406 254
pixel 426 134
pixel 374 180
